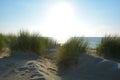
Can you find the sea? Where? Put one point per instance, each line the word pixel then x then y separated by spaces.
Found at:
pixel 93 41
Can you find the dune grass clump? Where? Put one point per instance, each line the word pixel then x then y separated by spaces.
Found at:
pixel 28 42
pixel 68 53
pixel 21 42
pixel 2 42
pixel 109 47
pixel 51 43
pixel 10 37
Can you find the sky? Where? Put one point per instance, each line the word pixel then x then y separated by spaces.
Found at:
pixel 61 19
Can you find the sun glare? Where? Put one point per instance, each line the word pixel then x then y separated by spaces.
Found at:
pixel 61 12
pixel 61 22
pixel 59 19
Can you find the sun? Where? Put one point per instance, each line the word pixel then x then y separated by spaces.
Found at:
pixel 60 13
pixel 61 22
pixel 59 18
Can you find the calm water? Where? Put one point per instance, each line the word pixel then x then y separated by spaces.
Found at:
pixel 93 41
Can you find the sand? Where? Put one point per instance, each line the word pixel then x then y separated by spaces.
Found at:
pixel 93 68
pixel 28 66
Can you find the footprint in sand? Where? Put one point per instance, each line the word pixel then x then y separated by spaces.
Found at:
pixel 30 69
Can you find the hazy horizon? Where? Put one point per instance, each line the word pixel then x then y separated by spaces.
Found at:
pixel 61 19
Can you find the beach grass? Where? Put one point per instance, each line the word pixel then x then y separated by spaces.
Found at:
pixel 50 43
pixel 2 41
pixel 34 42
pixel 109 47
pixel 9 37
pixel 28 42
pixel 68 53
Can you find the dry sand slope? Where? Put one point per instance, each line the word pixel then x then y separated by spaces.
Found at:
pixel 27 66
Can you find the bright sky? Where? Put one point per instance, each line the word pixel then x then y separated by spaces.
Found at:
pixel 61 19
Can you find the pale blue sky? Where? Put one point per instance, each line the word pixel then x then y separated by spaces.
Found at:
pixel 61 19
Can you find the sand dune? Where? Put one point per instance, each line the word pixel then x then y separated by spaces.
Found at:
pixel 28 66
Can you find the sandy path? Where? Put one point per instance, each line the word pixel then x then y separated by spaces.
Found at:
pixel 92 68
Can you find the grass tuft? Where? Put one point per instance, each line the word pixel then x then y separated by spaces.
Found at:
pixel 28 42
pixel 25 41
pixel 109 47
pixel 68 53
pixel 2 41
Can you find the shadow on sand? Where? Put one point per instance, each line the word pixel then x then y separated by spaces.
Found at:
pixel 92 68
